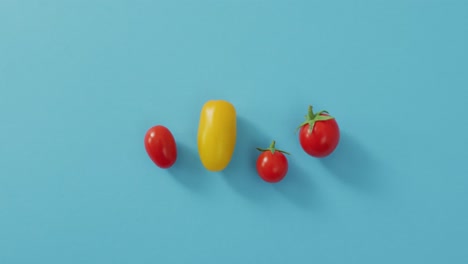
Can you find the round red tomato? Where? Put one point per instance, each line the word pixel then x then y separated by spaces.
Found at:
pixel 161 146
pixel 272 165
pixel 319 134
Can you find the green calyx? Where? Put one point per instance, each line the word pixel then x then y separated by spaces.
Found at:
pixel 311 118
pixel 273 149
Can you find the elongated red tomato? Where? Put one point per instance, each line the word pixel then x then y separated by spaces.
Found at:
pixel 161 146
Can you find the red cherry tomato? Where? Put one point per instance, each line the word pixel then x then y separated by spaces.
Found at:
pixel 161 146
pixel 272 165
pixel 319 134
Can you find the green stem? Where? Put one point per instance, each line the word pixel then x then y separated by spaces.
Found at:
pixel 310 113
pixel 273 149
pixel 272 145
pixel 311 118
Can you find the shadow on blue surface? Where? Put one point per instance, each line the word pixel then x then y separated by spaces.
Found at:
pixel 242 176
pixel 188 170
pixel 241 172
pixel 298 187
pixel 354 165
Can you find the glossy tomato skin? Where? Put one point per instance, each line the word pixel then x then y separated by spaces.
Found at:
pixel 161 146
pixel 323 140
pixel 272 167
pixel 216 138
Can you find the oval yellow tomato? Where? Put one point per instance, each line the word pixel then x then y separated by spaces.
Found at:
pixel 216 134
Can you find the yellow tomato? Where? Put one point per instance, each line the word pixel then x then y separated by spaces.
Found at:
pixel 216 134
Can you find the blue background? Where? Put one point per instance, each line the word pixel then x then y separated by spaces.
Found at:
pixel 82 81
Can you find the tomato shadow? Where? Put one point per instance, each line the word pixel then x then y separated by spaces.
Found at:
pixel 188 170
pixel 352 164
pixel 241 172
pixel 298 187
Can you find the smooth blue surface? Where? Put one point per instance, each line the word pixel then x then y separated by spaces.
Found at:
pixel 82 81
